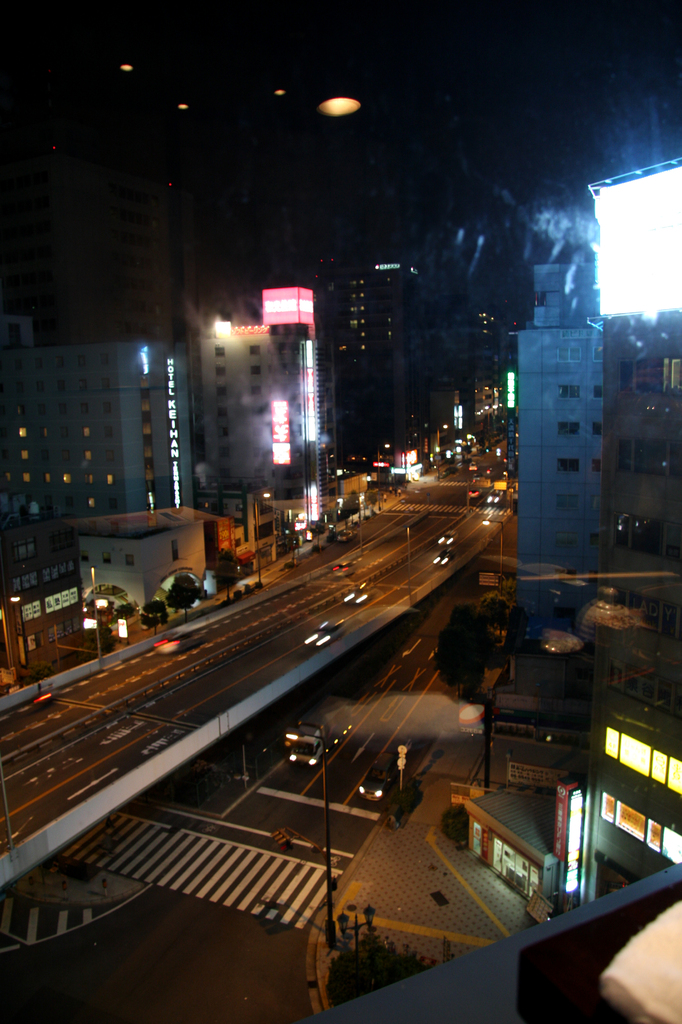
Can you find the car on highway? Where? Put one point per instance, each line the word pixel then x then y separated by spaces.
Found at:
pixel 380 777
pixel 474 492
pixel 448 537
pixel 494 499
pixel 442 558
pixel 473 468
pixel 177 644
pixel 324 632
pixel 344 537
pixel 358 595
pixel 342 568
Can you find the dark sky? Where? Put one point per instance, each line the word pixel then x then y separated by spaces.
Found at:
pixel 481 126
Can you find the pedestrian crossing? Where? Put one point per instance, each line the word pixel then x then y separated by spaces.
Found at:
pixel 279 887
pixel 434 506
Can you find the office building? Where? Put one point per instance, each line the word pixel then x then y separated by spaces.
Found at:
pixel 560 438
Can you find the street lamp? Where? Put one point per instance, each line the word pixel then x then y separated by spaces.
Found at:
pixel 23 660
pixel 97 607
pixel 266 494
pixel 386 445
pixel 331 925
pixel 343 920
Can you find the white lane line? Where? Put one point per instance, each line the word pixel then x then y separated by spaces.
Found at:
pixel 32 932
pixel 247 899
pixel 302 895
pixel 238 890
pixel 61 923
pixel 359 812
pixel 94 782
pixel 227 863
pixel 6 915
pixel 181 863
pixel 178 848
pixel 214 897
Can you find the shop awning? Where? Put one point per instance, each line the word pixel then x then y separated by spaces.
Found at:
pixel 246 556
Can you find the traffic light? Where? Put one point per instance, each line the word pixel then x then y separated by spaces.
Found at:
pixel 280 836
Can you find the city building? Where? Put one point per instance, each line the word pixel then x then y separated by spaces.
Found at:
pixel 96 428
pixel 41 590
pixel 369 317
pixel 560 438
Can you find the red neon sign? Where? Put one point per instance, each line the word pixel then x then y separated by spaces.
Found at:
pixel 288 306
pixel 281 446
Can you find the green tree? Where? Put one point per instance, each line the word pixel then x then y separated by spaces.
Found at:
pixel 455 823
pixel 494 609
pixel 182 596
pixel 508 590
pixel 463 649
pixel 153 614
pixel 378 967
pixel 227 570
pixel 88 648
pixel 38 670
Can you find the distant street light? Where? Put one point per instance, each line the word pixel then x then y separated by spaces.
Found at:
pixel 339 106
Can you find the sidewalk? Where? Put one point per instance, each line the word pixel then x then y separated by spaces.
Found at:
pixel 424 889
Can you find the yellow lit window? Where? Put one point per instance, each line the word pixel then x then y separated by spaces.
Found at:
pixel 91 502
pixel 630 821
pixel 635 754
pixel 86 431
pixel 608 807
pixel 67 478
pixel 24 453
pixel 46 478
pixel 659 767
pixel 675 775
pixel 612 737
pixel 653 836
pixel 87 455
pixel 22 431
pixel 110 478
pixel 27 478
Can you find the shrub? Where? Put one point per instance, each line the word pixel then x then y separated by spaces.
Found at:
pixel 455 824
pixel 408 797
pixel 378 967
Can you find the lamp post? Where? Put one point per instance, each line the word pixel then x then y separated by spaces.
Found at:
pixel 343 920
pixel 94 602
pixel 331 924
pixel 386 445
pixel 256 510
pixel 23 659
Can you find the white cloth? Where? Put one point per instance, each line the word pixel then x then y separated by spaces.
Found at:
pixel 643 982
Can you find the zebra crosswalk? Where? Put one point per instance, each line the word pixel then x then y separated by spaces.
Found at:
pixel 248 878
pixel 435 506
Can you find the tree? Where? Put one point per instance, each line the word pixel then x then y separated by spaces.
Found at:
pixel 182 596
pixel 494 609
pixel 88 648
pixel 154 613
pixel 378 967
pixel 227 570
pixel 39 670
pixel 508 590
pixel 463 649
pixel 454 823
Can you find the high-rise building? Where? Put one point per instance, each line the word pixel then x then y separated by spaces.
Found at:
pixel 560 438
pixel 369 318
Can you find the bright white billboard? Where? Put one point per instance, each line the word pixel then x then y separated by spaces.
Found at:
pixel 640 251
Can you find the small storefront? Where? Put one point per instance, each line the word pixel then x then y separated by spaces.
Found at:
pixel 513 834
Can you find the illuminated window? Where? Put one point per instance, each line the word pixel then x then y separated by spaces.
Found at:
pixel 22 431
pixel 66 478
pixel 91 502
pixel 635 754
pixel 675 775
pixel 630 821
pixel 88 478
pixel 43 431
pixel 24 453
pixel 146 428
pixel 26 478
pixel 659 766
pixel 612 738
pixel 86 431
pixel 87 455
pixel 653 835
pixel 608 807
pixel 110 478
pixel 46 478
pixel 672 845
pixel 106 557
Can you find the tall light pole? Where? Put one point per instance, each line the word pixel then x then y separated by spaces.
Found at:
pixel 331 924
pixel 94 602
pixel 256 517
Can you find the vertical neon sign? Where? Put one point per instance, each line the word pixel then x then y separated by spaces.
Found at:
pixel 173 433
pixel 281 442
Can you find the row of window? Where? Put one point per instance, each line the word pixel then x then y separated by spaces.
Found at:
pixel 572 501
pixel 571 428
pixel 569 539
pixel 573 390
pixel 62 407
pixel 40 252
pixel 58 361
pixel 28 580
pixel 53 603
pixel 662 840
pixel 25 205
pixel 18 386
pixel 132 195
pixel 63 432
pixel 23 181
pixel 652 536
pixel 129 238
pixel 88 478
pixel 27 230
pixel 32 277
pixel 574 353
pixel 657 457
pixel 650 376
pixel 66 455
pixel 106 557
pixel 573 465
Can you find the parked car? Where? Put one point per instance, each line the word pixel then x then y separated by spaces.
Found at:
pixel 344 536
pixel 380 777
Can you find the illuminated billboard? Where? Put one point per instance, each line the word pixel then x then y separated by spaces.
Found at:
pixel 640 249
pixel 281 440
pixel 288 306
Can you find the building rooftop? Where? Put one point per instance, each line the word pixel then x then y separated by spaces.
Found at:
pixel 527 815
pixel 140 524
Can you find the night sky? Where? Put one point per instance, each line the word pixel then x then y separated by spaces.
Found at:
pixel 481 126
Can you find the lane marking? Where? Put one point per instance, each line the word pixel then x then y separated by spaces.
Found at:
pixel 392 708
pixel 418 673
pixel 91 784
pixel 431 840
pixel 405 653
pixel 359 812
pixel 361 749
pixel 32 931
